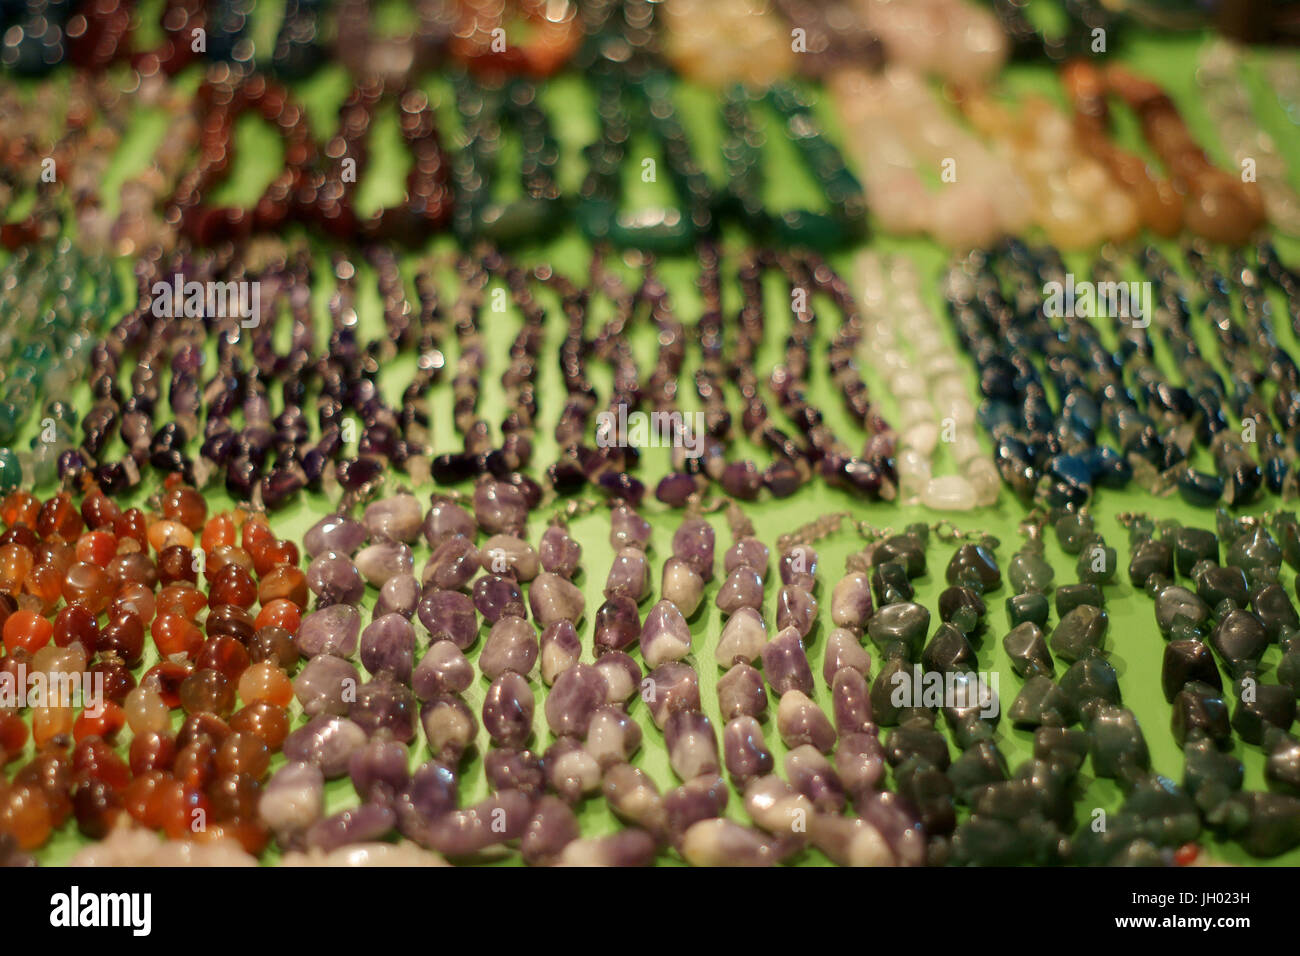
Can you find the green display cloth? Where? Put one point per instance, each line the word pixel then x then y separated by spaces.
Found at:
pixel 1135 643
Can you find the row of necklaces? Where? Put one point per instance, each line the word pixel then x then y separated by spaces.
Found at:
pixel 453 661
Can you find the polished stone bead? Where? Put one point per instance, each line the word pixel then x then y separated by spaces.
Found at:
pixel 812 775
pixel 692 744
pixel 948 651
pixel 335 580
pixel 785 663
pixel 745 753
pixel 665 636
pixel 1150 557
pixel 612 736
pixel 1116 744
pixel 385 704
pixel 430 793
pixel 396 519
pixel 496 597
pixel 337 533
pixel 851 703
pixel 449 616
pixel 553 598
pixel 974 566
pixel 326 685
pixel 905 549
pixel 1061 746
pixel 444 519
pixel 915 739
pixel 500 507
pixel 452 565
pixel 1275 610
pixel 511 645
pixel 747 553
pixel 796 608
pixel 1080 633
pixel 741 692
pixel 1199 711
pixel 1254 549
pixel 560 649
pixel 682 585
pixel 844 649
pixel 1027 650
pixel 327 742
pixel 1260 706
pixel 629 575
pixel 1070 596
pixel 1097 564
pixel 1073 530
pixel 380 770
pixel 510 769
pixel 622 676
pixel 399 595
pixel 617 624
pixel 331 630
pixel 1040 702
pixel 388 647
pixel 798 567
pixel 800 721
pixel 508 710
pixel 899 629
pixel 449 727
pixel 963 608
pixel 671 687
pixel 1240 639
pixel 693 543
pixel 851 604
pixel 500 818
pixel 508 555
pixel 293 800
pixel 573 699
pixel 743 638
pixel 559 553
pixel 975 769
pixel 627 528
pixel 552 828
pixel 1217 584
pixel 1192 546
pixel 443 669
pixel 1210 775
pixel 383 560
pixel 1031 608
pixel 701 798
pixel 1181 608
pixel 1029 571
pixel 1089 684
pixel 742 588
pixel 890 583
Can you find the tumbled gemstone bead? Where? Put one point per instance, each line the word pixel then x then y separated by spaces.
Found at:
pixel 396 519
pixel 443 669
pixel 326 685
pixel 385 704
pixel 622 676
pixel 445 519
pixel 559 553
pixel 331 630
pixel 571 772
pixel 612 736
pixel 379 770
pixel 844 649
pixel 294 798
pixel 745 753
pixel 399 595
pixel 500 507
pixel 430 793
pixel 629 575
pixel 860 761
pixel 560 650
pixel 741 692
pixel 388 647
pixel 785 663
pixel 811 774
pixel 742 588
pixel 384 559
pixel 336 533
pixel 851 601
pixel 327 742
pixel 899 629
pixel 693 543
pixel 449 615
pixel 692 744
pixel 633 797
pixel 800 721
pixel 511 645
pixel 747 553
pixel 742 639
pixel 797 608
pixel 669 688
pixel 449 727
pixel 574 698
pixel 551 598
pixel 552 828
pixel 665 635
pixel 617 624
pixel 798 567
pixel 627 528
pixel 682 586
pixel 974 565
pixel 510 769
pixel 496 596
pixel 1027 650
pixel 452 565
pixel 461 833
pixel 335 580
pixel 851 700
pixel 508 710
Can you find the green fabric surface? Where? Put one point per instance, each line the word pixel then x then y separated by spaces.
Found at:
pixel 1133 639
